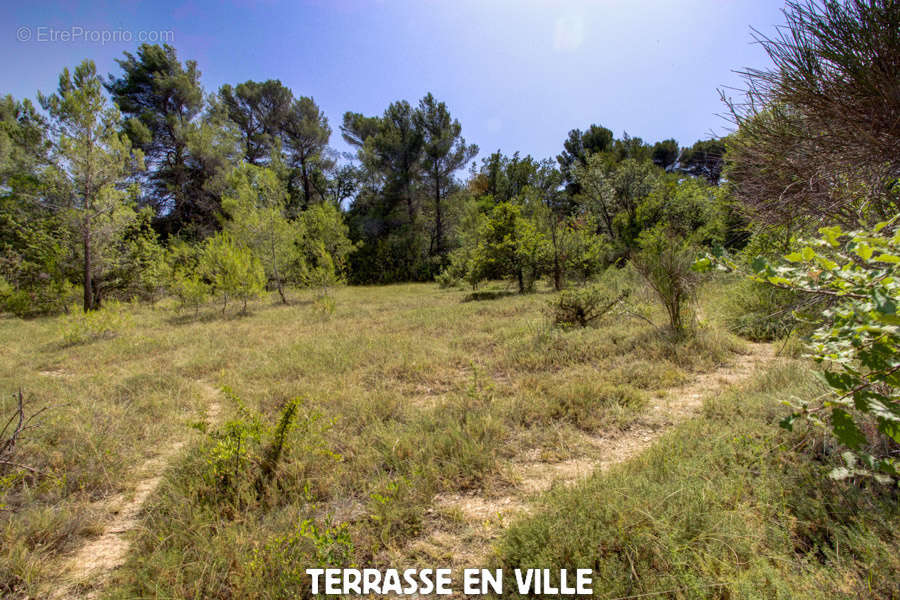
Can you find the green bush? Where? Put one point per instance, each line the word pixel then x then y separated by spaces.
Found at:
pixel 760 312
pixel 233 270
pixel 244 454
pixel 665 261
pixel 582 306
pixel 79 327
pixel 858 341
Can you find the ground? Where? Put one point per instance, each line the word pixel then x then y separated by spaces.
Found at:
pixel 426 426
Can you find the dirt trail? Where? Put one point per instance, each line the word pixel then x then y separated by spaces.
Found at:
pixel 85 572
pixel 461 528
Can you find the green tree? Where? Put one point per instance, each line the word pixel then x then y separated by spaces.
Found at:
pixel 260 110
pixel 665 260
pixel 91 160
pixel 690 207
pixel 33 236
pixel 445 152
pixel 578 146
pixel 612 192
pixel 705 158
pixel 665 154
pixel 235 272
pixel 306 134
pixel 324 240
pixel 255 209
pixel 510 246
pixel 162 100
pixel 385 217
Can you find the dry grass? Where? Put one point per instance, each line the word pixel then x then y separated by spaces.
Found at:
pixel 411 395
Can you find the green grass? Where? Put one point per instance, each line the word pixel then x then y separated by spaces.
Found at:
pixel 405 391
pixel 726 506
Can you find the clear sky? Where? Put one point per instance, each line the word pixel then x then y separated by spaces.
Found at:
pixel 518 74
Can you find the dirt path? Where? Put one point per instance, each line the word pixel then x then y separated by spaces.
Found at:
pixel 460 529
pixel 85 572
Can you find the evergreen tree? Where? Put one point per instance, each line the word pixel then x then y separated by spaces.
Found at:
pixel 162 100
pixel 445 152
pixel 91 160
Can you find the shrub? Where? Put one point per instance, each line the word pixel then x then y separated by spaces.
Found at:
pixel 244 456
pixel 858 339
pixel 582 306
pixel 81 327
pixel 190 290
pixel 760 312
pixel 666 262
pixel 234 270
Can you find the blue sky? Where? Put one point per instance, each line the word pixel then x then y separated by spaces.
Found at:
pixel 517 74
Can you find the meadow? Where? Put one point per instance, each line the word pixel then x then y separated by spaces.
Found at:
pixel 218 455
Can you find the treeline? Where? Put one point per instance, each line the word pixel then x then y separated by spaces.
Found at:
pixel 141 182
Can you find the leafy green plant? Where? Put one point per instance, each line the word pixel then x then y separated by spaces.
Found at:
pixel 857 341
pixel 246 452
pixel 233 269
pixel 332 542
pixel 284 558
pixel 79 327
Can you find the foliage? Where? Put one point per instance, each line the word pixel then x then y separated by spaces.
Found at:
pixel 255 205
pixel 582 306
pixel 408 157
pixel 858 341
pixel 816 140
pixel 80 328
pixel 233 270
pixel 510 246
pixel 691 209
pixel 324 247
pixel 162 102
pixel 580 252
pixel 665 262
pixel 242 460
pixel 90 161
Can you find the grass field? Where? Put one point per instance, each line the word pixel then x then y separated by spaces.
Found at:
pixel 401 398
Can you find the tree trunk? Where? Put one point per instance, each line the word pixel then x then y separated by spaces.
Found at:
pixel 438 215
pixel 557 269
pixel 521 277
pixel 306 191
pixel 278 283
pixel 86 239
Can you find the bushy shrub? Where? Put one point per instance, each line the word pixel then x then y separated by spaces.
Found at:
pixel 760 312
pixel 233 270
pixel 582 306
pixel 858 339
pixel 244 453
pixel 665 262
pixel 79 327
pixel 447 278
